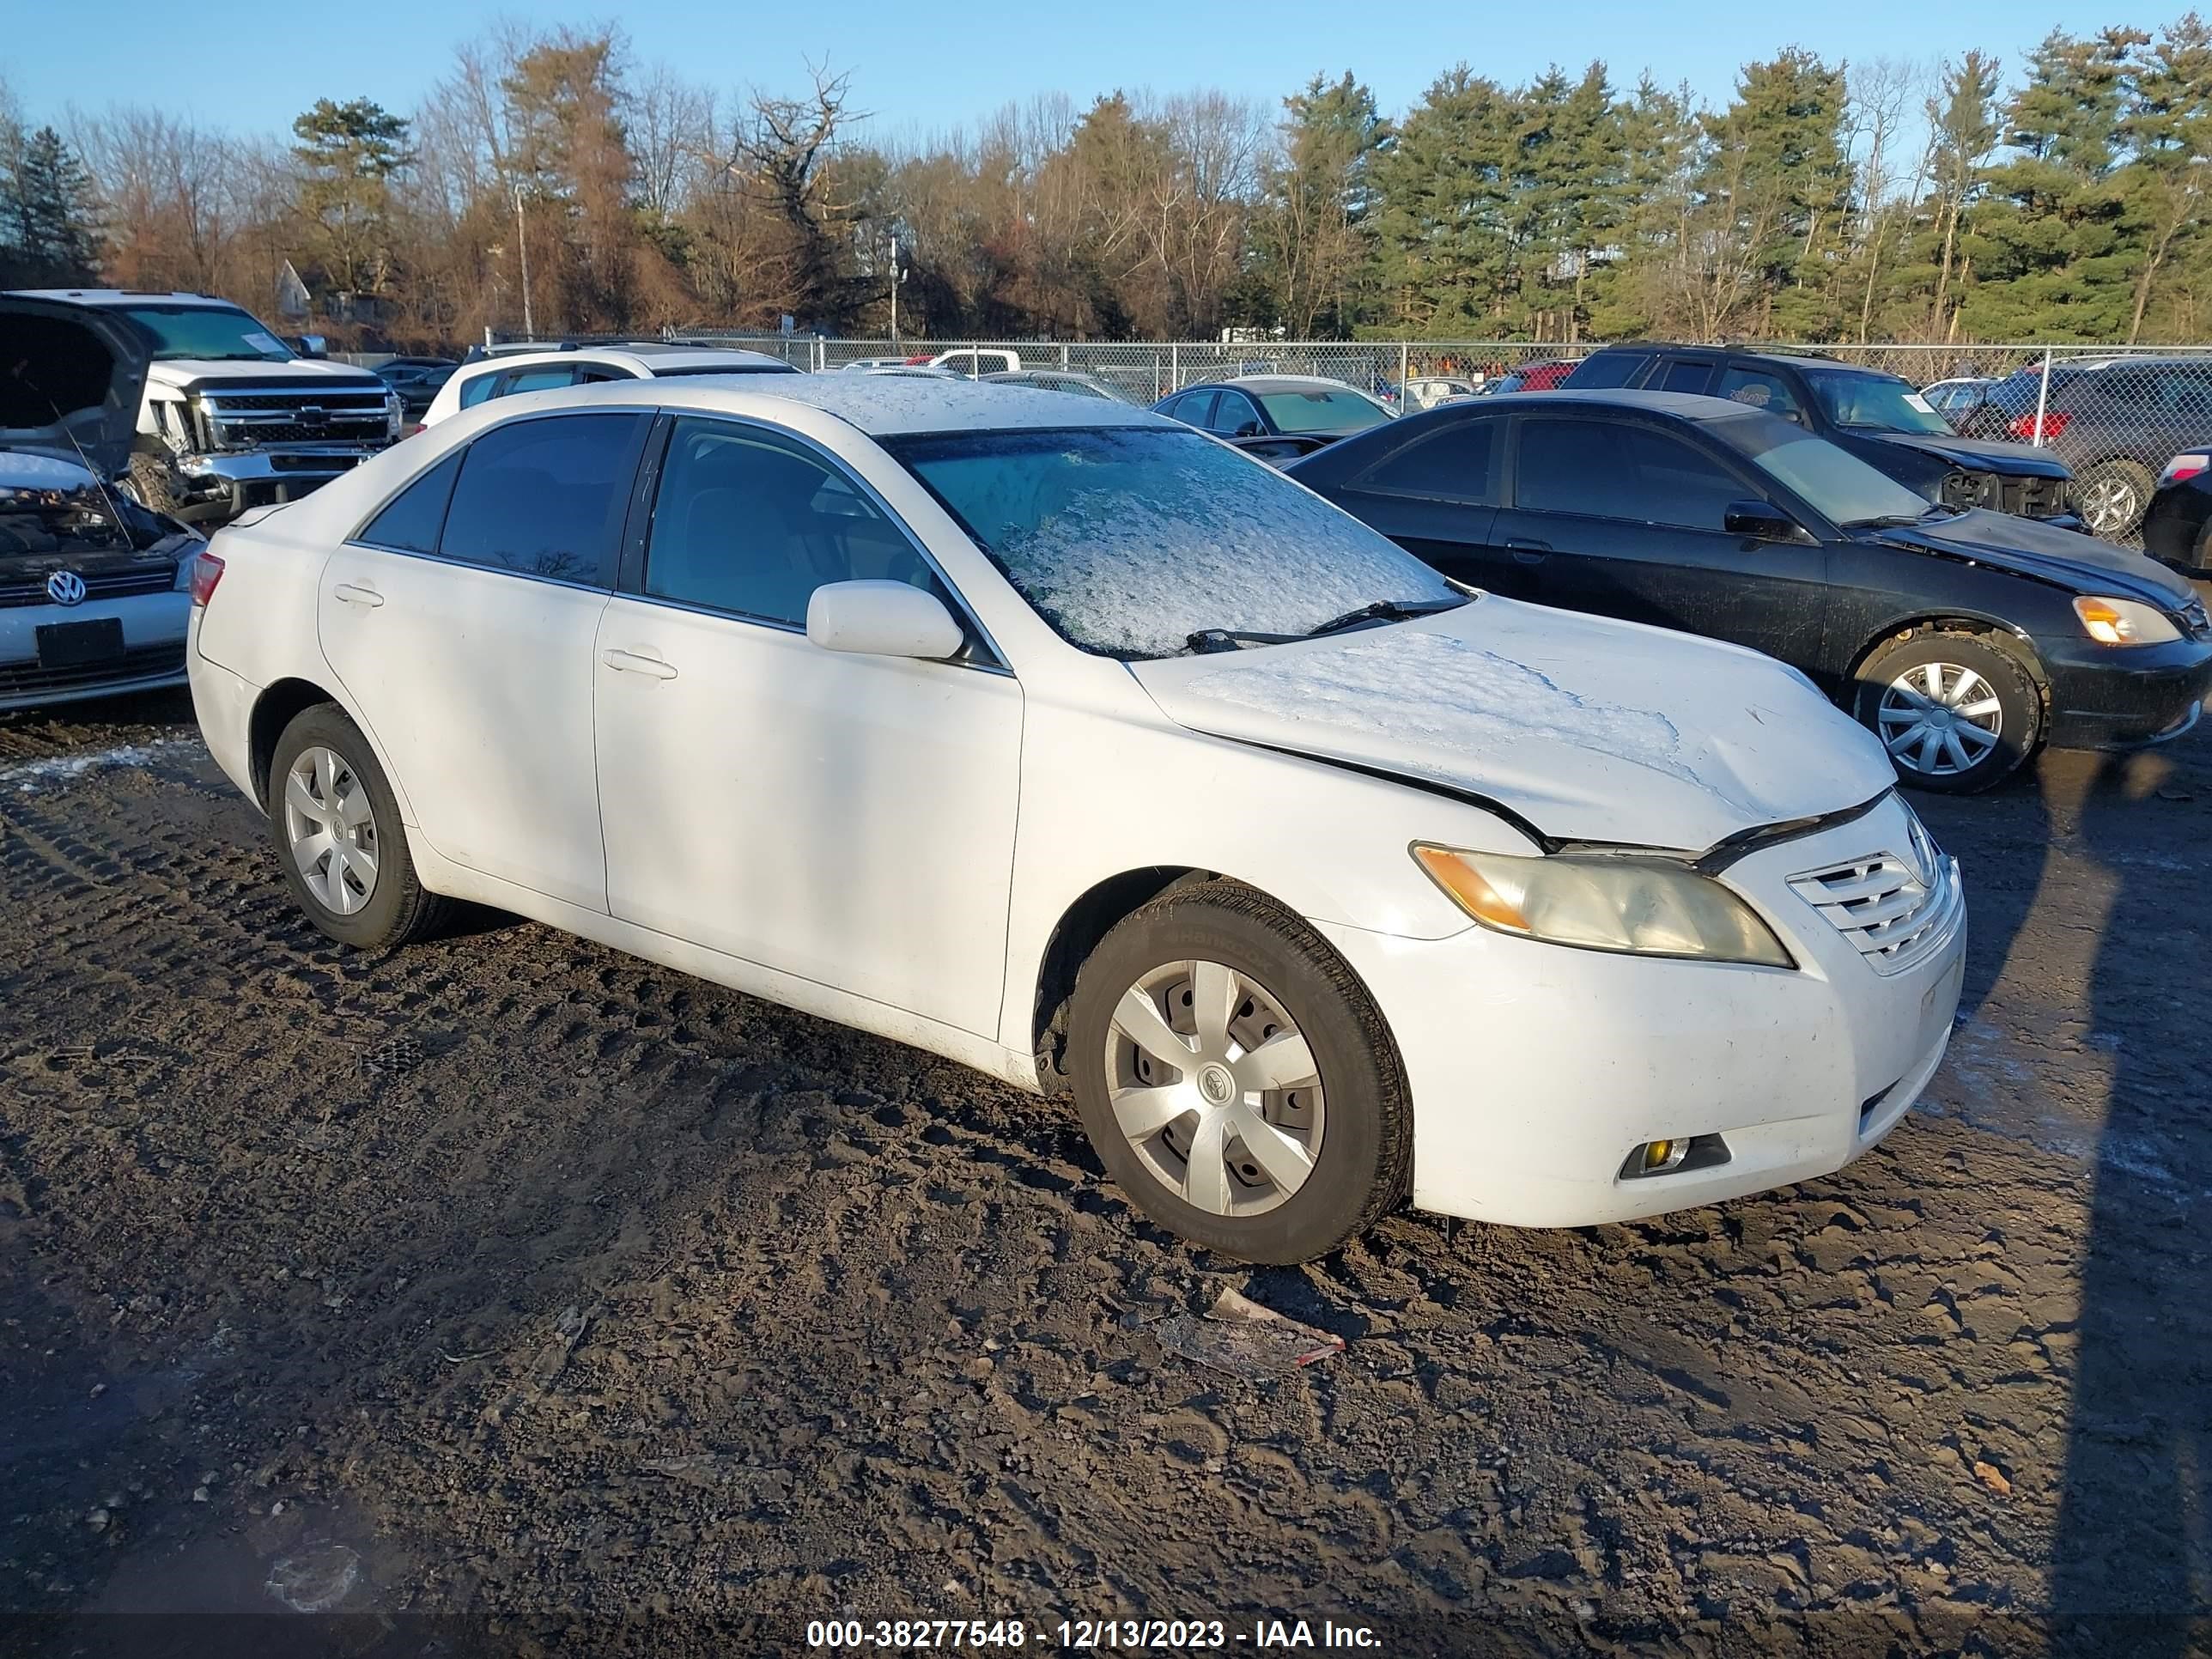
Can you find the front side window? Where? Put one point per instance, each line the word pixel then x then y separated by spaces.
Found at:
pixel 1879 403
pixel 1129 540
pixel 751 523
pixel 545 497
pixel 1757 389
pixel 1682 376
pixel 1234 416
pixel 221 334
pixel 1322 410
pixel 1606 470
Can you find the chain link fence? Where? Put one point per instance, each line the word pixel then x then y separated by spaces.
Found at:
pixel 2116 415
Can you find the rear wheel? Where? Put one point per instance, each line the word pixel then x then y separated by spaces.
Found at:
pixel 335 825
pixel 2113 496
pixel 1236 1078
pixel 1956 712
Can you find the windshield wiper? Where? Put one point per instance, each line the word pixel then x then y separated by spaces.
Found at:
pixel 1382 611
pixel 1233 639
pixel 1893 520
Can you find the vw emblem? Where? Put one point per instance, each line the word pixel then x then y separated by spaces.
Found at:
pixel 65 587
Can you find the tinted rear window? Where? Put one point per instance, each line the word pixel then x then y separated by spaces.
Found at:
pixel 545 497
pixel 412 521
pixel 1609 368
pixel 1458 464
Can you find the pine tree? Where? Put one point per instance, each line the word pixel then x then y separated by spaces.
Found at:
pixel 1443 218
pixel 52 208
pixel 349 154
pixel 2168 130
pixel 1314 234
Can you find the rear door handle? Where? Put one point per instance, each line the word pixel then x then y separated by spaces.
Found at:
pixel 629 662
pixel 1528 552
pixel 353 593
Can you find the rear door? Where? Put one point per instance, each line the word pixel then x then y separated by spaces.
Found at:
pixel 460 620
pixel 1437 498
pixel 1631 513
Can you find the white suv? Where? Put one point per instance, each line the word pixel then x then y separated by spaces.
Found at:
pixel 1051 736
pixel 509 373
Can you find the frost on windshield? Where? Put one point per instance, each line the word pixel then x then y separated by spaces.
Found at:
pixel 1422 688
pixel 1129 542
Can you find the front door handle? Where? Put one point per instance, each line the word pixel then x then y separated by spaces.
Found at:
pixel 353 593
pixel 630 662
pixel 1528 552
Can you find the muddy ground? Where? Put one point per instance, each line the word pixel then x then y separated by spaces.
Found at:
pixel 506 1295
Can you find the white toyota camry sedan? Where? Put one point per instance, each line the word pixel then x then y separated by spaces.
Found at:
pixel 1059 739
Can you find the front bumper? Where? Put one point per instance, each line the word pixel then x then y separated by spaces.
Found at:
pixel 1535 1069
pixel 153 626
pixel 222 484
pixel 2124 697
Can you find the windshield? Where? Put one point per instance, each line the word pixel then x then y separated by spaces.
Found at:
pixel 218 332
pixel 1882 401
pixel 1839 486
pixel 1322 410
pixel 1128 540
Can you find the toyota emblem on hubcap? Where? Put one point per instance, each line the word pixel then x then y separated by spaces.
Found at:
pixel 65 587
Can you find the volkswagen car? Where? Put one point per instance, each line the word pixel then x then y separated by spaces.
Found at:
pixel 1051 736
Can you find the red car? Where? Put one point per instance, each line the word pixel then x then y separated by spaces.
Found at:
pixel 1542 376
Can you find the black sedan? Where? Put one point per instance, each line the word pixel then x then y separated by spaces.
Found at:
pixel 2177 528
pixel 417 379
pixel 1285 413
pixel 1964 638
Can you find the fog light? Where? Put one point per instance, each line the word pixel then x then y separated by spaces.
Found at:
pixel 1662 1155
pixel 1673 1154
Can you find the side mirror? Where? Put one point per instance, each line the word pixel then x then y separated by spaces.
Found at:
pixel 1762 520
pixel 314 345
pixel 882 619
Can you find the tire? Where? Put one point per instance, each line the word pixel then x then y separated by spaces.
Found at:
pixel 2112 497
pixel 148 483
pixel 1921 675
pixel 1340 1137
pixel 386 904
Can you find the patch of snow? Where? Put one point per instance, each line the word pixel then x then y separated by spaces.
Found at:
pixel 1438 688
pixel 28 777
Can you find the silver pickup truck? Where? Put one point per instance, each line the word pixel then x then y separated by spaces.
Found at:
pixel 220 415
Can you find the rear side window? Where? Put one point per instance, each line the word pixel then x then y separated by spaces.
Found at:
pixel 1681 376
pixel 411 520
pixel 477 387
pixel 1759 389
pixel 1634 473
pixel 546 497
pixel 1458 464
pixel 537 379
pixel 1609 368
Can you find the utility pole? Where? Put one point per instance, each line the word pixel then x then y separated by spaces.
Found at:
pixel 897 276
pixel 522 251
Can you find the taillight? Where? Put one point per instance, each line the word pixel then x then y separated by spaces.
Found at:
pixel 206 571
pixel 2185 466
pixel 2054 422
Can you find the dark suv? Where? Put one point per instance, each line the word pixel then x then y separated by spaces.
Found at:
pixel 2116 421
pixel 1879 418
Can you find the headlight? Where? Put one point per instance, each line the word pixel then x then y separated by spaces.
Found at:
pixel 1970 488
pixel 1642 907
pixel 2123 621
pixel 395 414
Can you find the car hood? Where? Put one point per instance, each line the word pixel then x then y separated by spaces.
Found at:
pixel 1982 454
pixel 2079 563
pixel 60 405
pixel 185 373
pixel 1588 728
pixel 113 533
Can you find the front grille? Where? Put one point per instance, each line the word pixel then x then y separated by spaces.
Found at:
pixel 124 584
pixel 247 420
pixel 351 402
pixel 144 662
pixel 1894 914
pixel 238 435
pixel 2027 498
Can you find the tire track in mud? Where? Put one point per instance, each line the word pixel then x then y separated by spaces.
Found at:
pixel 856 1324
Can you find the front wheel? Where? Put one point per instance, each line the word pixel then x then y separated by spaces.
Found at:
pixel 1957 713
pixel 335 825
pixel 1236 1078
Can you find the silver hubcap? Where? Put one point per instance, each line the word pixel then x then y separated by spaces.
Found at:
pixel 1214 1087
pixel 2109 504
pixel 1940 719
pixel 330 829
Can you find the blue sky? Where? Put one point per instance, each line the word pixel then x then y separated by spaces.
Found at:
pixel 247 64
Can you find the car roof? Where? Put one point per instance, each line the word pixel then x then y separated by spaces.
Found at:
pixel 881 406
pixel 120 297
pixel 1685 405
pixel 652 359
pixel 1756 353
pixel 1288 382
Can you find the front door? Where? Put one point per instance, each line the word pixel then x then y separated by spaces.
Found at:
pixel 1630 515
pixel 847 819
pixel 461 623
